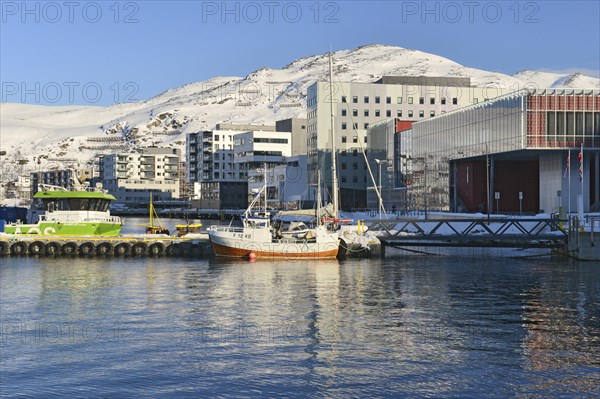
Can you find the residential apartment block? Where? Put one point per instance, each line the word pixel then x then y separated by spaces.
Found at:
pixel 131 177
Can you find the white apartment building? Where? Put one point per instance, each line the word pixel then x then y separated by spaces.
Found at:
pixel 357 105
pixel 255 148
pixel 131 177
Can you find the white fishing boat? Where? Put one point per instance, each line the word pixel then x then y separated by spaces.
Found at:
pixel 259 238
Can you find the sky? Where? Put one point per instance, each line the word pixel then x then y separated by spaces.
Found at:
pixel 105 52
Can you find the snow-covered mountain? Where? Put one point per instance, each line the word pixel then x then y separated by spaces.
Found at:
pixel 59 133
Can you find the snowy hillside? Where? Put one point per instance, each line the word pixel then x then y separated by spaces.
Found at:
pixel 59 134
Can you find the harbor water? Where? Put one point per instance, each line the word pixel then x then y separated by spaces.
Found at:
pixel 403 326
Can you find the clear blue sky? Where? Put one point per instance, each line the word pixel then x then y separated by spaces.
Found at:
pixel 157 45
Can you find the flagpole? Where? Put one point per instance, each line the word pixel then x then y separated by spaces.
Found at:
pixel 581 174
pixel 569 191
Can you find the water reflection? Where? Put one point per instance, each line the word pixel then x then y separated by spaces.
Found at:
pixel 396 327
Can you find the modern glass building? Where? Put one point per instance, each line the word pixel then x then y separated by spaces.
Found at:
pixel 509 154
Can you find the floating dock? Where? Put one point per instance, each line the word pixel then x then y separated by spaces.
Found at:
pixel 127 245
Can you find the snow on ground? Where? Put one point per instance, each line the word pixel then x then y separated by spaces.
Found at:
pixel 261 97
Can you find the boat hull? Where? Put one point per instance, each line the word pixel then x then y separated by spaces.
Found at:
pixel 226 245
pixel 66 228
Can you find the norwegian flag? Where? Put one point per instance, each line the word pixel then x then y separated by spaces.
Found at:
pixel 580 158
pixel 568 168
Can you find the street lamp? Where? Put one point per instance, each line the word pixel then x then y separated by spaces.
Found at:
pixel 380 162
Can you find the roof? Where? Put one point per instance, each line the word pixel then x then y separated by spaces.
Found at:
pixel 73 194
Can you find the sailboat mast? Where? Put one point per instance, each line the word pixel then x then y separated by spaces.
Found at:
pixel 334 182
pixel 266 187
pixel 318 202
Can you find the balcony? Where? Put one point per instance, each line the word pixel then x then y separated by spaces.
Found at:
pixel 171 161
pixel 147 160
pixel 171 176
pixel 147 175
pixel 147 168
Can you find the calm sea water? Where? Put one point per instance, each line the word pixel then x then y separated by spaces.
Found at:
pixel 398 327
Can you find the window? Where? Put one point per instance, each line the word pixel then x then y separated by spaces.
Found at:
pixel 431 113
pixel 343 125
pixel 366 112
pixel 388 113
pixel 355 125
pixel 344 166
pixel 355 139
pixel 366 99
pixel 354 179
pixel 421 114
pixel 355 165
pixel 355 99
pixel 399 114
pixel 343 179
pixel 475 101
pixel 365 139
pixel 443 100
pixel 388 100
pixel 432 100
pixel 377 99
pixel 343 112
pixel 355 152
pixel 399 100
pixel 343 139
pixel 410 100
pixel 344 152
pixel 216 137
pixel 454 101
pixel 377 112
pixel 421 100
pixel 410 113
pixel 344 99
pixel 354 112
pixel 366 126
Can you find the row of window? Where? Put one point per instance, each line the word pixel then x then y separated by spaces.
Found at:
pixel 354 179
pixel 388 100
pixel 354 166
pixel 354 139
pixel 388 113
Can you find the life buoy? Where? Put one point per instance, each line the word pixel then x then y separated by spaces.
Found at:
pixel 37 248
pixel 104 249
pixel 52 249
pixel 18 249
pixel 69 249
pixel 122 249
pixel 139 249
pixel 176 250
pixel 196 251
pixel 86 249
pixel 157 249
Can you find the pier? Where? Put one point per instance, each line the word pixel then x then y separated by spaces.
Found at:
pixel 127 245
pixel 468 232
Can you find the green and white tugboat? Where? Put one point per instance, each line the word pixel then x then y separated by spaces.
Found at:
pixel 77 211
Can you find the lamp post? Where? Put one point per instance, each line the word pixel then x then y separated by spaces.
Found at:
pixel 380 162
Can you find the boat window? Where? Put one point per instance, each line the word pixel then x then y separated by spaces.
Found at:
pixel 94 202
pixel 84 204
pixel 63 204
